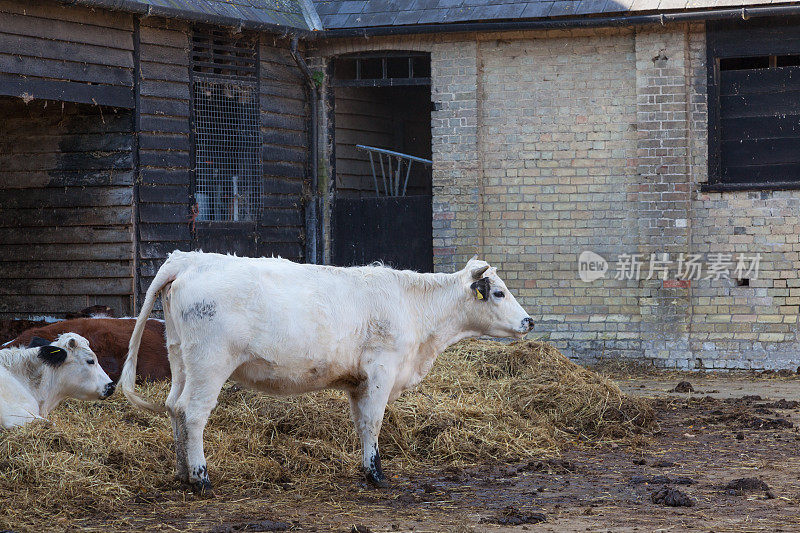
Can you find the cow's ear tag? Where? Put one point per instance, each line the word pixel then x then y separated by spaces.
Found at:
pixel 52 355
pixel 481 288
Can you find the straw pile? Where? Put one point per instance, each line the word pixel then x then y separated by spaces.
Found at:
pixel 483 402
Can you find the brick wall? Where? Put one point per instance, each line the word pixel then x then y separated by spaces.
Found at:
pixel 546 144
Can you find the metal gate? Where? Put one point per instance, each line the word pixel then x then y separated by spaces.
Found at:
pixel 395 230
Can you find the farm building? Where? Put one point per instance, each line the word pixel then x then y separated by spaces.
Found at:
pixel 130 132
pixel 420 133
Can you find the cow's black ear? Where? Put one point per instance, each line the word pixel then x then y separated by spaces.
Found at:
pixel 38 341
pixel 52 355
pixel 481 288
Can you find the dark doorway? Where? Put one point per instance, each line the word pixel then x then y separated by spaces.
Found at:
pixel 382 102
pixel 66 207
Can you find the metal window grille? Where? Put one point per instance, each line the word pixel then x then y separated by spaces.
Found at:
pixel 227 133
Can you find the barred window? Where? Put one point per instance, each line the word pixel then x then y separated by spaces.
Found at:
pixel 228 182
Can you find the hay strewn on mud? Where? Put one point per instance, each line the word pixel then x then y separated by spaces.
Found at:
pixel 483 402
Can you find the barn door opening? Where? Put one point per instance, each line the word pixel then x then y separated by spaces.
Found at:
pixel 66 207
pixel 382 116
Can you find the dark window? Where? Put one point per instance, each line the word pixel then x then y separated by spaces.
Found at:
pixel 227 135
pixel 754 105
pixel 382 69
pixel 743 63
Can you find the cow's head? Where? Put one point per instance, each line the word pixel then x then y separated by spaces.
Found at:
pixel 74 369
pixel 493 310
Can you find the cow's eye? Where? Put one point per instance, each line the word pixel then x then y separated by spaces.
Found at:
pixel 499 294
pixel 90 361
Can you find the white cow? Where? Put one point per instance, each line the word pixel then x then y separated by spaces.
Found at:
pixel 34 380
pixel 288 328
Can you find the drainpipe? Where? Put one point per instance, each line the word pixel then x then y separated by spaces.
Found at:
pixel 313 227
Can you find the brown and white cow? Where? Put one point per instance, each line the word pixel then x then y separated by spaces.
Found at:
pixel 287 328
pixel 109 338
pixel 34 380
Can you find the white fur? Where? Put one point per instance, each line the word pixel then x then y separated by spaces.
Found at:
pixel 30 389
pixel 288 328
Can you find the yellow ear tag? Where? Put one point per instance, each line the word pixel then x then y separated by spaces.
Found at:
pixel 478 294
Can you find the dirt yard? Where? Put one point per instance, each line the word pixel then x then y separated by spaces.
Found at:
pixel 523 439
pixel 729 429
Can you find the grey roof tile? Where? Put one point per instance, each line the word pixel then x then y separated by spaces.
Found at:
pixel 563 7
pixel 671 5
pixel 335 21
pixel 506 10
pixel 424 4
pixel 431 16
pixel 644 5
pixel 351 6
pixel 444 4
pixel 591 6
pixel 377 19
pixel 327 7
pixel 537 9
pixel 407 17
pixel 617 6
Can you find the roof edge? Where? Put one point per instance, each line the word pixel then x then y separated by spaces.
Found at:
pixel 311 15
pixel 562 23
pixel 143 9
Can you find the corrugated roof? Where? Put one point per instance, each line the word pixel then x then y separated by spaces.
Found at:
pixel 369 13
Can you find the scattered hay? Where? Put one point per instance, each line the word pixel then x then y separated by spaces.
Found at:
pixel 484 402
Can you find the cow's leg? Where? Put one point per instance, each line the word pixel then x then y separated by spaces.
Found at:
pixel 178 423
pixel 178 373
pixel 199 396
pixel 367 406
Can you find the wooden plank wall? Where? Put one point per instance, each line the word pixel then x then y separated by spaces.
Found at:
pixel 284 129
pixel 49 50
pixel 383 117
pixel 66 169
pixel 66 175
pixel 164 145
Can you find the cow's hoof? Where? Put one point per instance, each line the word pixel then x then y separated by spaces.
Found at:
pixel 203 488
pixel 377 482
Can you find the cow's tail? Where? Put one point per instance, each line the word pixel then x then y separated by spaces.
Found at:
pixel 127 381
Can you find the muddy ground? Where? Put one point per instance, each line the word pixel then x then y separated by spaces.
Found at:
pixel 728 430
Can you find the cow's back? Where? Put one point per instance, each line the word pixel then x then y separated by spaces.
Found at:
pixel 108 338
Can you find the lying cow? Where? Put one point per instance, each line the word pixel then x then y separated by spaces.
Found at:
pixel 287 328
pixel 34 380
pixel 109 339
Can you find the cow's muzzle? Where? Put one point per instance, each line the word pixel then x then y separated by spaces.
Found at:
pixel 108 390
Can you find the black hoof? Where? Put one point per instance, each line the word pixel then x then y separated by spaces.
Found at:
pixel 202 488
pixel 378 481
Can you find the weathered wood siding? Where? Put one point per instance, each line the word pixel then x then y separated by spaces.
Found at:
pixel 166 158
pixel 165 173
pixel 66 175
pixel 284 127
pixel 52 51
